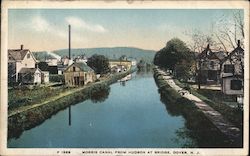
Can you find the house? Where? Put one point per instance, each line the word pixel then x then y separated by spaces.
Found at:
pixel 209 64
pixel 30 76
pixel 52 61
pixel 18 59
pixel 125 63
pixel 66 61
pixel 81 58
pixel 79 74
pixel 232 72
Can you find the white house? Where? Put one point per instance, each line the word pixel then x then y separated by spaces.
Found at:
pixel 18 59
pixel 232 72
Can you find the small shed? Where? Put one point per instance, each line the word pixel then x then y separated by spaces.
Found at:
pixel 30 76
pixel 232 85
pixel 79 74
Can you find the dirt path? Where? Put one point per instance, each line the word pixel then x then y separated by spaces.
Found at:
pixel 214 116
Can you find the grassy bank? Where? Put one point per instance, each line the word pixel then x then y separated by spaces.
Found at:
pixel 19 122
pixel 217 100
pixel 197 126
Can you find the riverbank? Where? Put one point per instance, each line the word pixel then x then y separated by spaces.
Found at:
pixel 220 102
pixel 27 117
pixel 199 127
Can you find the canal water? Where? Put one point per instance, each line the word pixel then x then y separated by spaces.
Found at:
pixel 129 115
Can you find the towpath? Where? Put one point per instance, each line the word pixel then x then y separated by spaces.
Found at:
pixel 214 116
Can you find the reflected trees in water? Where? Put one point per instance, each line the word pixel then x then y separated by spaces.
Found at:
pixel 100 95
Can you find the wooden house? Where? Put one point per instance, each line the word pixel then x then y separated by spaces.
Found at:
pixel 232 72
pixel 79 74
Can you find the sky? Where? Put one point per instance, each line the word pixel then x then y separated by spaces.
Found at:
pixel 47 29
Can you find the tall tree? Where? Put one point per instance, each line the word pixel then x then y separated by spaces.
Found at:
pixel 174 52
pixel 177 57
pixel 99 63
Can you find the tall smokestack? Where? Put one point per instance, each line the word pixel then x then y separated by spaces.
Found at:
pixel 238 44
pixel 21 47
pixel 69 43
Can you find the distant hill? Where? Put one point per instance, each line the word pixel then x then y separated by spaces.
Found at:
pixel 111 53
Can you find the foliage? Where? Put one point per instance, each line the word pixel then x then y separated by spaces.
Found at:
pixel 43 66
pixel 99 63
pixel 56 78
pixel 176 56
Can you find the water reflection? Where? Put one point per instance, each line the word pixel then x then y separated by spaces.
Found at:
pixel 69 115
pixel 98 96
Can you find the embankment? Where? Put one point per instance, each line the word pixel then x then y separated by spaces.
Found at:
pixel 197 126
pixel 32 117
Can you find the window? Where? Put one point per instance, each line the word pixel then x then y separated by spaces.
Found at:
pixel 212 64
pixel 236 84
pixel 228 68
pixel 28 55
pixel 74 69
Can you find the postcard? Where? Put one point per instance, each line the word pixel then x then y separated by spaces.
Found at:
pixel 124 78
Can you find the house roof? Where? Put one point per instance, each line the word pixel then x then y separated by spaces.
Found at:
pixel 17 54
pixel 29 70
pixel 117 60
pixel 221 55
pixel 238 50
pixel 209 54
pixel 83 66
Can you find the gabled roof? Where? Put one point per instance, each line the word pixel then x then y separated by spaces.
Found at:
pixel 207 53
pixel 17 54
pixel 83 66
pixel 29 70
pixel 237 49
pixel 221 55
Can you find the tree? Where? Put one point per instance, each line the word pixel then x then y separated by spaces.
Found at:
pixel 99 63
pixel 184 70
pixel 177 57
pixel 174 52
pixel 43 66
pixel 223 34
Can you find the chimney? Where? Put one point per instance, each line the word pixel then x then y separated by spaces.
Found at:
pixel 238 43
pixel 21 47
pixel 69 43
pixel 207 46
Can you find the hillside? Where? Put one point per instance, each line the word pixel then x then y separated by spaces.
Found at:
pixel 112 53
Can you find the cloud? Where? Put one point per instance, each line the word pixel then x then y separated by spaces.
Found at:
pixel 40 24
pixel 81 24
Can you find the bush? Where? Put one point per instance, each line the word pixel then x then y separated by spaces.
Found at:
pixel 56 78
